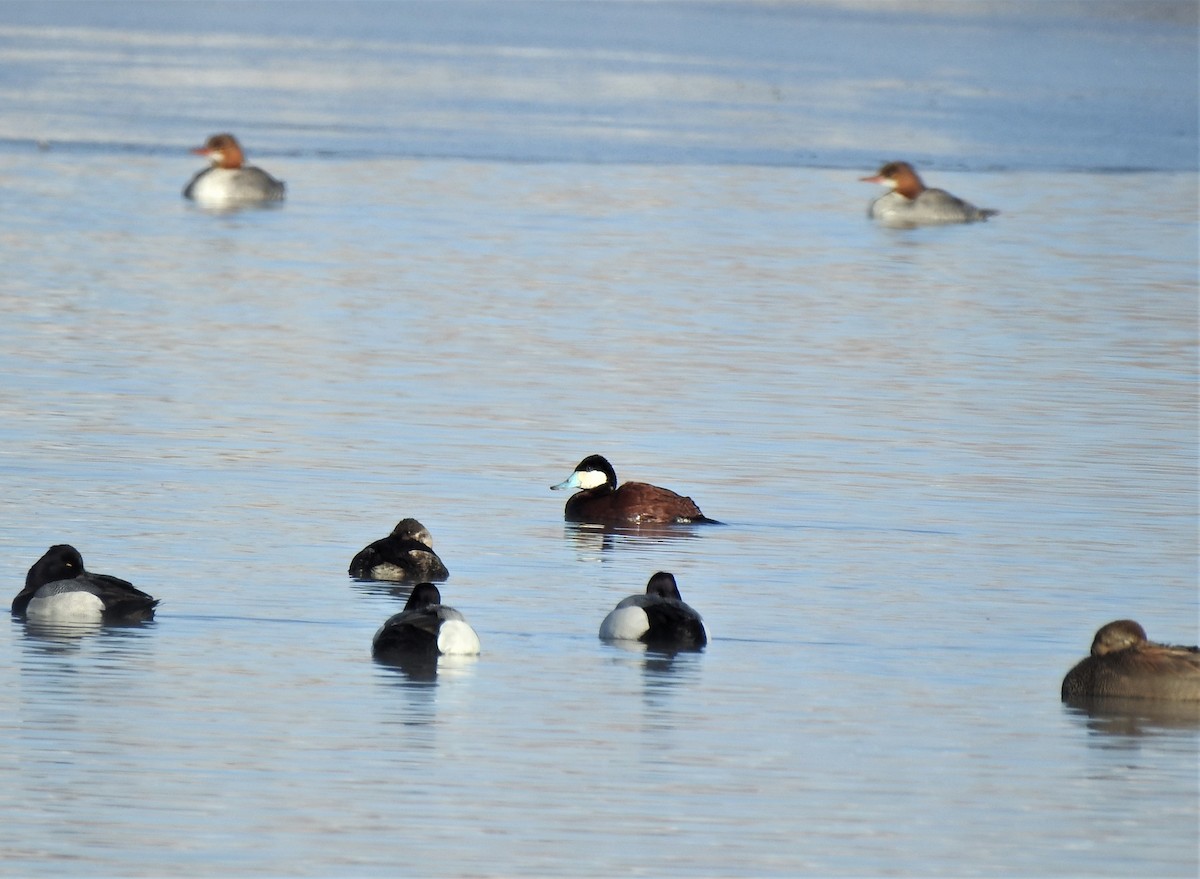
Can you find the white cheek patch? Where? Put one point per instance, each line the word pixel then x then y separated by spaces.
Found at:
pixel 456 638
pixel 625 624
pixel 79 606
pixel 586 479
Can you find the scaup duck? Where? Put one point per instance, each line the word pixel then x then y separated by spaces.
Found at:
pixel 228 181
pixel 1123 663
pixel 58 587
pixel 659 618
pixel 405 554
pixel 600 502
pixel 911 203
pixel 425 627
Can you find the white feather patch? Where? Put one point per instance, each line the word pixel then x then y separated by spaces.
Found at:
pixel 215 187
pixel 65 606
pixel 457 638
pixel 625 624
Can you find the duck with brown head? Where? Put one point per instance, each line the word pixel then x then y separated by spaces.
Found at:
pixel 601 501
pixel 1125 664
pixel 911 203
pixel 229 181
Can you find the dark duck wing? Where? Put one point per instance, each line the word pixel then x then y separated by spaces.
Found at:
pixel 416 560
pixel 413 631
pixel 673 624
pixel 409 632
pixel 122 601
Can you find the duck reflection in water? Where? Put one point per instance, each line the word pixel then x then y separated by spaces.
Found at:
pixel 593 540
pixel 1118 718
pixel 53 636
pixel 423 671
pixel 663 668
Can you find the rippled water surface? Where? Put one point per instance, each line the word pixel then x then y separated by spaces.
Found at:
pixel 517 234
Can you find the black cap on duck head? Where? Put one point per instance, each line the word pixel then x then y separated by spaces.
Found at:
pixel 593 471
pixel 597 462
pixel 663 585
pixel 423 595
pixel 60 562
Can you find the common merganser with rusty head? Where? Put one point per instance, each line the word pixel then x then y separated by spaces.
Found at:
pixel 229 181
pixel 59 589
pixel 1125 664
pixel 911 203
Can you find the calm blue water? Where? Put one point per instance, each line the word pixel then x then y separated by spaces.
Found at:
pixel 520 233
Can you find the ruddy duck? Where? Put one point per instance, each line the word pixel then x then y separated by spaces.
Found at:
pixel 601 502
pixel 425 627
pixel 58 588
pixel 1125 664
pixel 405 554
pixel 659 618
pixel 910 203
pixel 228 181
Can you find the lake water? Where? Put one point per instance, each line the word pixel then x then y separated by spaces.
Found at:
pixel 517 234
